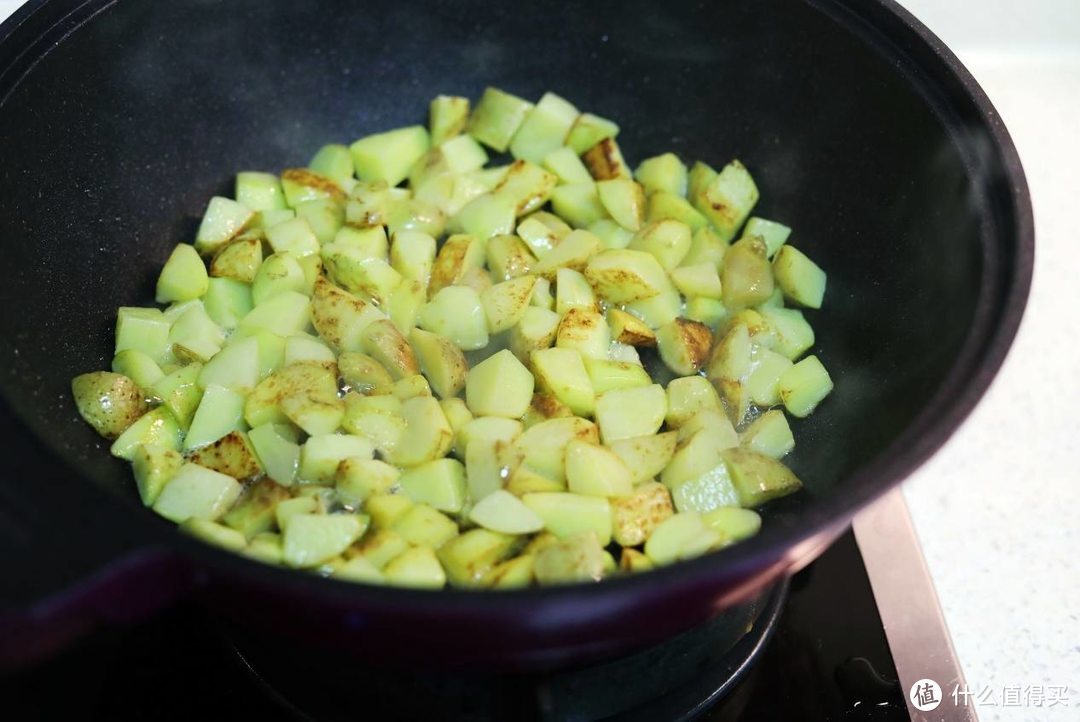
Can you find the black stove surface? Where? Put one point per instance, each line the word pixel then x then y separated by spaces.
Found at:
pixel 827 659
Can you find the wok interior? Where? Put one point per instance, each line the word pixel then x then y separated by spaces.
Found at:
pixel 117 138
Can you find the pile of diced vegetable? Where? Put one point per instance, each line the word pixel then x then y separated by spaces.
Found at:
pixel 400 366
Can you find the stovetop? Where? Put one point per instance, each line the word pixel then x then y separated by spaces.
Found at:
pixel 825 658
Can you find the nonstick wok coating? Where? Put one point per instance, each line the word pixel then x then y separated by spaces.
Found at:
pixel 119 121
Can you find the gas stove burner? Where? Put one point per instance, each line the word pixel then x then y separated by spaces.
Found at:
pixel 675 680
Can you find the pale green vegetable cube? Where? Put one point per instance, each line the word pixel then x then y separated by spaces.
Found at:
pixel 624 200
pixel 540 237
pixel 293 236
pixel 544 128
pixel 412 254
pixel 542 447
pixel 486 216
pixel 382 341
pixel 573 291
pixel 711 490
pixel 689 395
pixel 333 161
pixel 180 393
pixel 508 257
pixel 220 411
pixel 627 413
pixel 194 335
pixel 227 301
pixel 489 430
pixel 460 253
pixel 566 164
pixel 505 303
pixel 377 418
pixel 422 525
pixel 706 246
pixel 303 348
pixel 565 514
pixel 380 546
pixel 196 492
pixel 236 367
pixel 793 335
pixel 709 311
pixel 605 161
pixel 623 353
pixel 573 251
pixel 497 118
pixel 502 512
pixel 183 277
pixel 324 216
pixel 279 456
pixel 350 268
pixel 801 280
pixel 774 234
pixel 731 358
pixel 535 331
pixel 154 466
pixel 769 434
pixel 404 305
pixel 645 456
pixel 764 379
pixel 629 329
pixel 634 517
pixel 389 156
pixel 561 372
pixel 701 175
pixel 406 388
pixel 441 361
pixel 417 567
pixel 610 233
pixel 265 548
pixel 138 367
pixel 699 453
pixel 588 130
pixel 457 313
pixel 681 536
pixel 108 401
pixel 232 455
pixel 143 329
pixel 664 173
pixel 803 386
pixel 362 372
pixel 300 185
pixel 321 455
pixel 359 569
pixel 255 512
pixel 526 186
pixel 259 191
pixel 370 242
pixel 732 523
pixel 728 199
pixel 311 539
pixel 427 436
pixel 584 330
pixel 262 404
pixel 578 558
pixel 279 273
pixel 499 386
pixel 514 573
pixel 758 478
pixel 457 155
pixel 684 345
pixel 578 203
pixel 358 479
pixel 702 280
pixel 596 471
pixel 668 241
pixel 483 469
pixel 664 206
pixel 457 413
pixel 315 413
pixel 626 275
pixel 265 219
pixel 223 220
pixel 385 509
pixel 284 314
pixel 468 557
pixel 215 534
pixel 288 508
pixel 448 115
pixel 607 375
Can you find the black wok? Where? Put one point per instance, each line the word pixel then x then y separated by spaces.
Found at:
pixel 119 119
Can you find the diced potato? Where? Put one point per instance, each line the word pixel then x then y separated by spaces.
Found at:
pixel 107 401
pixel 477 279
pixel 561 372
pixel 627 413
pixel 584 330
pixel 143 329
pixel 254 512
pixel 259 191
pixel 624 200
pixel 351 269
pixel 385 343
pixel 262 405
pixel 153 467
pixel 711 490
pixel 577 558
pixel 574 252
pixel 758 478
pixel 215 534
pixel 588 130
pixel 223 220
pixel 681 536
pixel 544 407
pixel 607 375
pixel 542 447
pixel 566 164
pixel 502 512
pixel 687 396
pixel 732 523
pixel 300 348
pixel 526 186
pixel 708 311
pixel 728 199
pixel 231 455
pixel 457 413
pixel 293 236
pixel 763 382
pixel 514 573
pixel 544 128
pixel 803 386
pixel 499 386
pixel 668 241
pixel 538 236
pixel 427 436
pixel 769 434
pixel 508 257
pixel 658 310
pixel 404 305
pixel 665 206
pixel 684 345
pixel 422 525
pixel 416 567
pixel 235 367
pixel 664 173
pixel 578 203
pixel 566 514
pixel 183 276
pixel 196 492
pixel 801 280
pixel 280 272
pixel 483 469
pixel 180 393
pixel 468 557
pixel 325 217
pixel 459 254
pixel 792 334
pixel 774 234
pixel 441 361
pixel 220 411
pixel 448 117
pixel 505 303
pixel 645 456
pixel 705 247
pixel 573 291
pixel 356 479
pixel 497 118
pixel 339 317
pixel 279 456
pixel 746 276
pixel 311 539
pixel 385 509
pixel 412 254
pixel 730 358
pixel 321 455
pixel 535 331
pixel 333 161
pixel 488 429
pixel 634 517
pixel 697 455
pixel 302 184
pixel 630 330
pixel 359 569
pixel 622 276
pixel 596 471
pixel 389 156
pixel 457 313
pixel 701 280
pixel 605 161
pixel 380 546
pixel 486 216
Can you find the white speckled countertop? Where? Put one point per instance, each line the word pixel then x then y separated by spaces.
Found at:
pixel 995 510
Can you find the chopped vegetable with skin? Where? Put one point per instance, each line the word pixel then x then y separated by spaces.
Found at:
pixel 548 372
